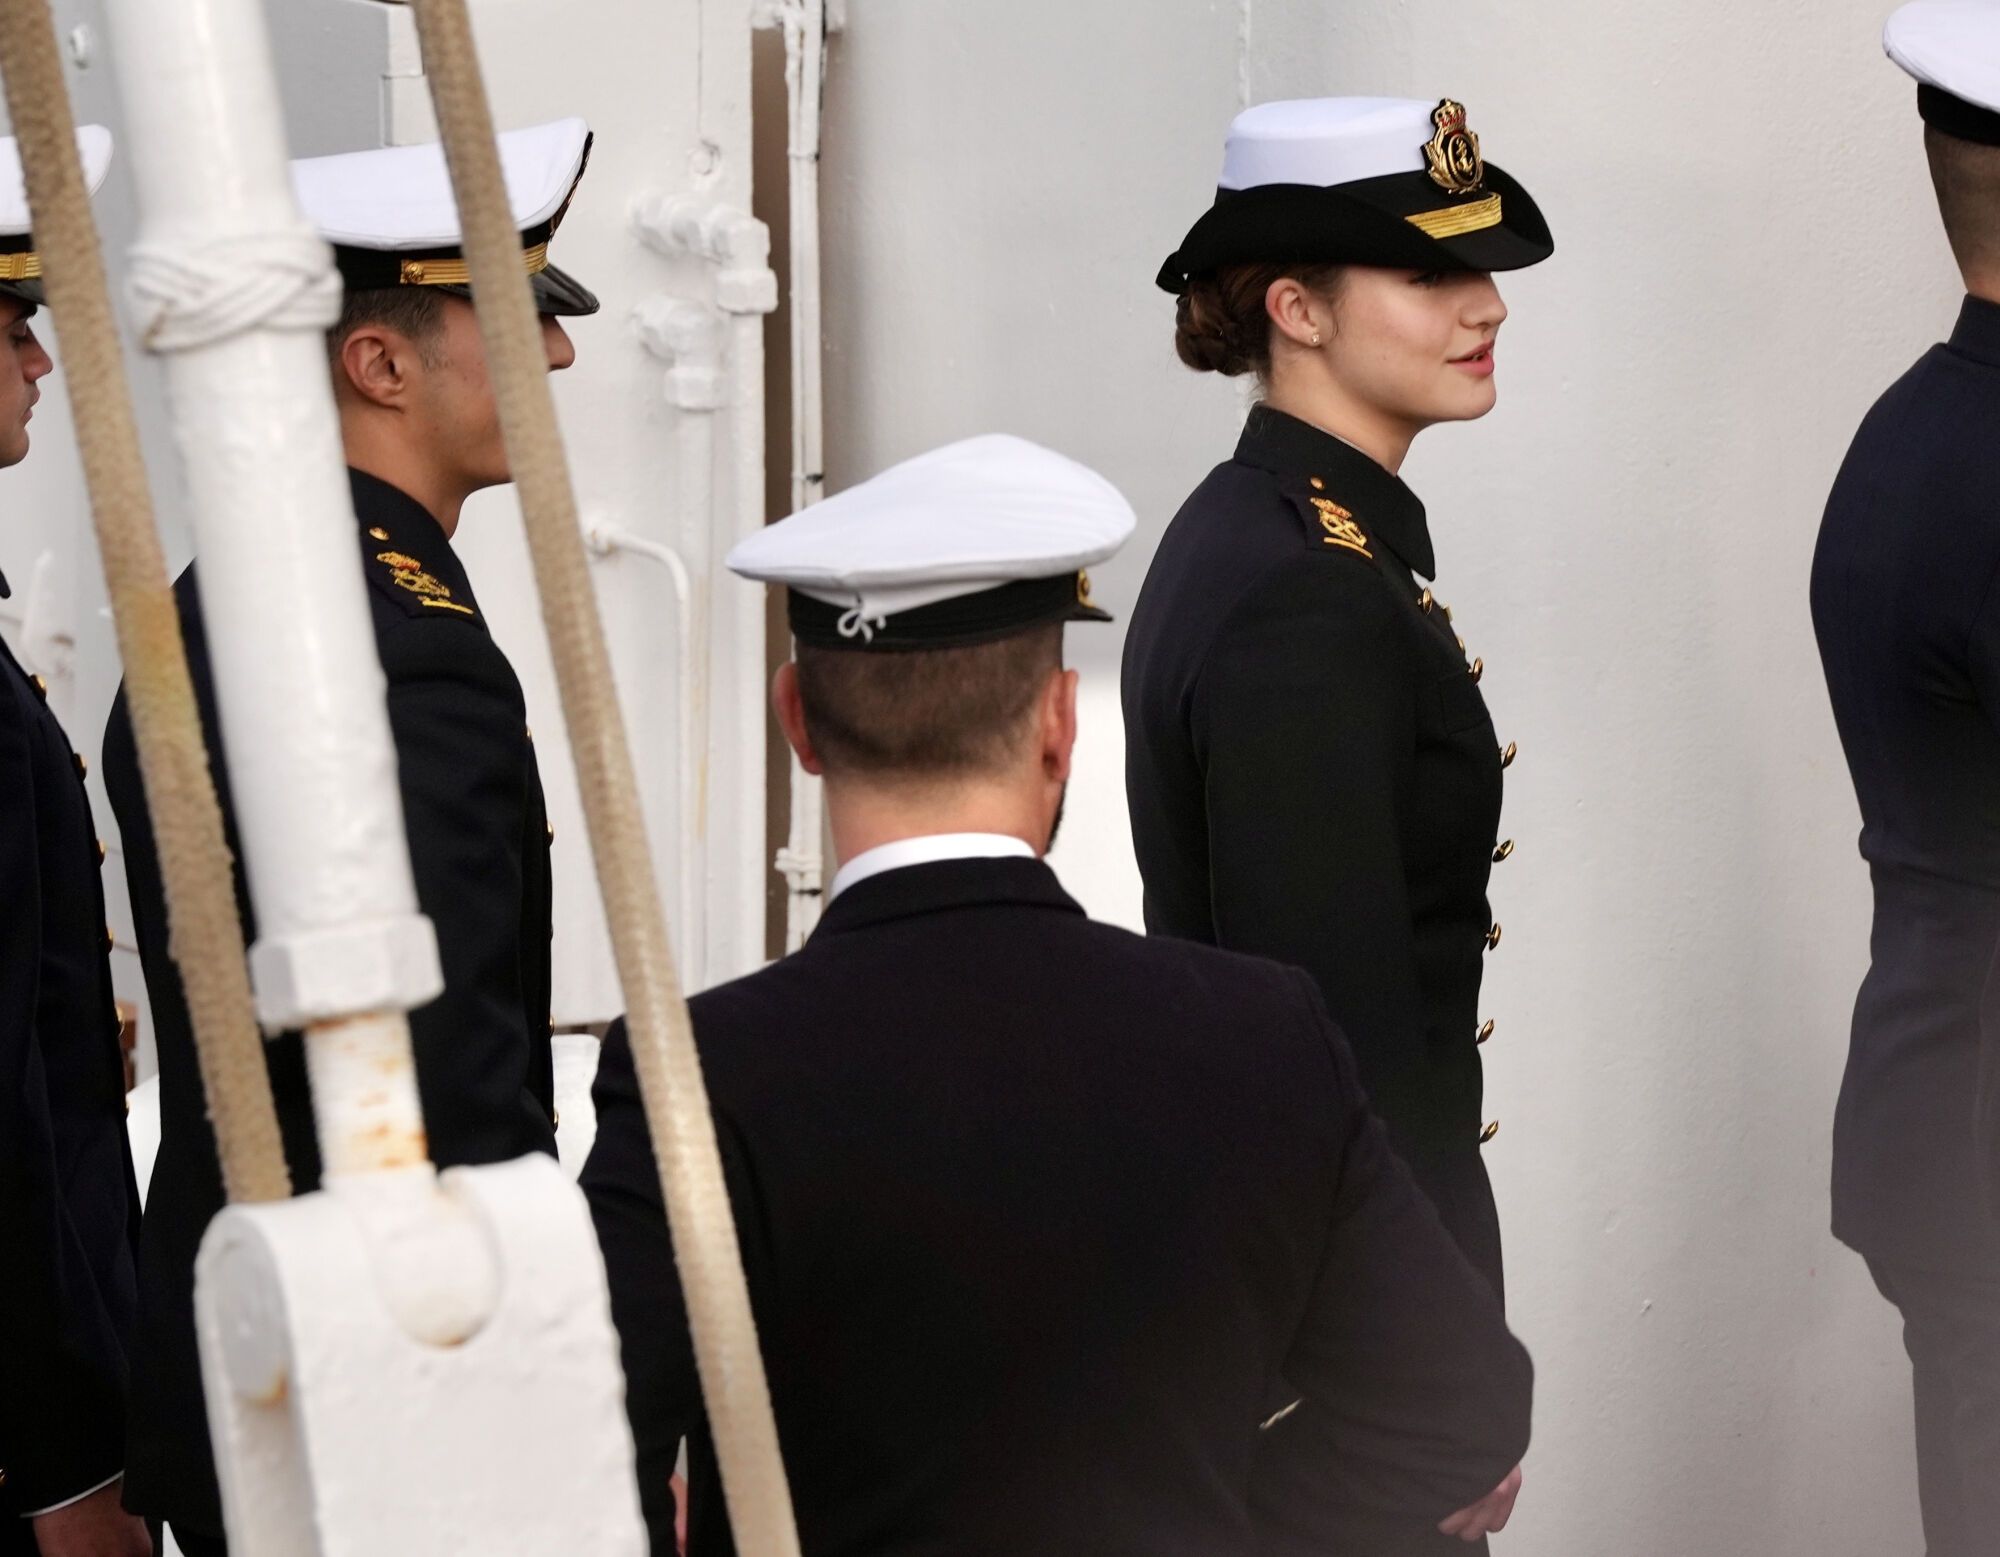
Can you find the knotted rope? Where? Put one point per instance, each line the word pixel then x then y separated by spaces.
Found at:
pixel 205 934
pixel 189 297
pixel 663 1050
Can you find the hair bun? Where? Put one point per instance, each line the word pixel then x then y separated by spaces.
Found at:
pixel 1206 338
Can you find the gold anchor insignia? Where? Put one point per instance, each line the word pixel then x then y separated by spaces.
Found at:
pixel 409 574
pixel 1341 530
pixel 1453 153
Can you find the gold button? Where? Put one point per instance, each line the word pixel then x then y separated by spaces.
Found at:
pixel 1486 1032
pixel 530 729
pixel 41 688
pixel 82 767
pixel 1478 669
pixel 1493 937
pixel 1461 642
pixel 1504 853
pixel 1447 613
pixel 101 851
pixel 1489 1132
pixel 1426 600
pixel 1507 756
pixel 378 533
pixel 1318 485
pixel 551 826
pixel 555 1118
pixel 110 940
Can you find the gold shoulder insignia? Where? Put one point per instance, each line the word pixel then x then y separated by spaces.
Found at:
pixel 408 573
pixel 1341 530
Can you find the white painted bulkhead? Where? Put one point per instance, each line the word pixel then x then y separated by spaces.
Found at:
pixel 1746 256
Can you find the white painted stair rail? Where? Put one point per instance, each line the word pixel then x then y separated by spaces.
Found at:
pixel 457 1329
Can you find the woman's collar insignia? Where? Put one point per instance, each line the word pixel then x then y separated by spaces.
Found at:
pixel 1453 153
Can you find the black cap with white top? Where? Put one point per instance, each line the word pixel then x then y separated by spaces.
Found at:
pixel 968 544
pixel 392 218
pixel 20 264
pixel 1395 182
pixel 1952 49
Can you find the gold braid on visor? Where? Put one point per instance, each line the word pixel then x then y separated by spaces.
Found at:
pixel 1454 221
pixel 457 273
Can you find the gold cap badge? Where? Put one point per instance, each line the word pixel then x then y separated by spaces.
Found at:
pixel 1453 153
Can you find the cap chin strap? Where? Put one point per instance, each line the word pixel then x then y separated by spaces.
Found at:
pixel 857 622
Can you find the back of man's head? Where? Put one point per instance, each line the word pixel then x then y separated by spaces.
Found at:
pixel 1967 177
pixel 928 717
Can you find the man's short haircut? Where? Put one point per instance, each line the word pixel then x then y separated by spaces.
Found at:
pixel 926 714
pixel 1967 177
pixel 417 312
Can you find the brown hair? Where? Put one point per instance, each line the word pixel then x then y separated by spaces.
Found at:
pixel 416 312
pixel 1967 177
pixel 1222 326
pixel 925 714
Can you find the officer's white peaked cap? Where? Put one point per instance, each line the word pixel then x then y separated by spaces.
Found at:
pixel 20 265
pixel 1325 140
pixel 1952 48
pixel 965 544
pixel 399 198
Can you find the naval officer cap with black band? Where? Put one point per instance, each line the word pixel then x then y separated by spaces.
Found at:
pixel 392 218
pixel 1952 49
pixel 20 264
pixel 966 545
pixel 1386 181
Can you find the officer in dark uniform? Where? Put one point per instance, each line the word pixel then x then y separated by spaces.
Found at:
pixel 1908 619
pixel 69 1209
pixel 1310 766
pixel 1046 1225
pixel 421 433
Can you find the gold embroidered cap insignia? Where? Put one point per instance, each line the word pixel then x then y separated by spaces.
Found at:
pixel 1453 153
pixel 1341 530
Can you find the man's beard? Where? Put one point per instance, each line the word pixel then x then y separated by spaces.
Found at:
pixel 1055 826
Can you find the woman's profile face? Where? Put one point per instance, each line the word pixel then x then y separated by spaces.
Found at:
pixel 1415 347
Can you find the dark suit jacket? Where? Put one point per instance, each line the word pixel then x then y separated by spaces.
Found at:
pixel 1906 602
pixel 69 1210
pixel 1042 1220
pixel 479 842
pixel 1311 769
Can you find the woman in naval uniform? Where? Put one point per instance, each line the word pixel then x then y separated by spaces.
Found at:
pixel 1311 769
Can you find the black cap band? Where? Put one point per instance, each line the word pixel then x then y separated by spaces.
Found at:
pixel 1954 116
pixel 985 616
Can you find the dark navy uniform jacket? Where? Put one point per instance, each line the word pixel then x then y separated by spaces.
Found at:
pixel 479 842
pixel 69 1210
pixel 1312 772
pixel 1043 1221
pixel 1906 602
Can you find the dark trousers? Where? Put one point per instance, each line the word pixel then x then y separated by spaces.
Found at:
pixel 191 1543
pixel 1951 1329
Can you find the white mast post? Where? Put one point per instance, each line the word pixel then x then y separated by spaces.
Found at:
pixel 454 1336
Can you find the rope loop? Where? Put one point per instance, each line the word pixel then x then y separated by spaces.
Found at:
pixel 189 297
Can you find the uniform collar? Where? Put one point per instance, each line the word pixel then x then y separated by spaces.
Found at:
pixel 925 851
pixel 1296 452
pixel 392 520
pixel 934 887
pixel 1978 332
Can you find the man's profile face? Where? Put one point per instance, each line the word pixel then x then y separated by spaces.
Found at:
pixel 461 415
pixel 23 364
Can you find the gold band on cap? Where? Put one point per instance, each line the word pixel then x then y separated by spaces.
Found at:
pixel 457 273
pixel 25 265
pixel 1454 221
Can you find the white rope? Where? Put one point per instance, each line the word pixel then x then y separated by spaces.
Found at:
pixel 191 297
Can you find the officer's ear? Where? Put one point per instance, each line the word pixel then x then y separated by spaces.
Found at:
pixel 791 711
pixel 375 364
pixel 1057 725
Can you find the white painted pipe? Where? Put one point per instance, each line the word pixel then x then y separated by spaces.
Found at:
pixel 805 23
pixel 235 289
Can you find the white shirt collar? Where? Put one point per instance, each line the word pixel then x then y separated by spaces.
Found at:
pixel 925 851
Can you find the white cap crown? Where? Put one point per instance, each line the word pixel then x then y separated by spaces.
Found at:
pixel 1322 141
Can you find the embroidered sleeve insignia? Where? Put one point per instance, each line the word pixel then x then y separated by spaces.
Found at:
pixel 1341 530
pixel 408 573
pixel 1453 153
